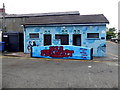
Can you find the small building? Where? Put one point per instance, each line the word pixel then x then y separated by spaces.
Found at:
pixel 67 28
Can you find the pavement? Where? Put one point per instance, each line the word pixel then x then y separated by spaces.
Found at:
pixel 27 56
pixel 16 54
pixel 111 56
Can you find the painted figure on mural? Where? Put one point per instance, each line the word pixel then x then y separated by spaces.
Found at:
pixel 101 49
pixel 34 43
pixel 31 44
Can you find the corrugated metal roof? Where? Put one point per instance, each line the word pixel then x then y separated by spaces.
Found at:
pixel 67 19
pixel 70 17
pixel 42 14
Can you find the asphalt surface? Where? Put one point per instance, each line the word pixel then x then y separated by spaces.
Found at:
pixel 40 73
pixel 0 71
pixel 112 49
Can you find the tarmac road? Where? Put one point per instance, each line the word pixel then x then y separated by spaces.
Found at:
pixel 40 73
pixel 33 73
pixel 112 49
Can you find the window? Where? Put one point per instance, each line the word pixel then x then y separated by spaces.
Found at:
pixel 64 39
pixel 92 35
pixel 34 35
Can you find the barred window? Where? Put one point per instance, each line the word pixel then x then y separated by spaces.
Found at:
pixel 92 35
pixel 64 38
pixel 34 35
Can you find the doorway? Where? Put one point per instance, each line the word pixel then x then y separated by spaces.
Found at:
pixel 13 41
pixel 47 39
pixel 77 39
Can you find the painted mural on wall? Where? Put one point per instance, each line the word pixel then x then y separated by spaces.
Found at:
pixel 30 45
pixel 97 44
pixel 62 51
pixel 101 49
pixel 57 51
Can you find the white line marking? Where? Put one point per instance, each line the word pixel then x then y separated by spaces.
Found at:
pixel 89 66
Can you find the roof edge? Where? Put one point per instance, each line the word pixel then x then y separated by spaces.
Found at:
pixel 63 24
pixel 43 14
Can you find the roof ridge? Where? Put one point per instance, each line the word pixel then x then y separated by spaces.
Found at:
pixel 45 14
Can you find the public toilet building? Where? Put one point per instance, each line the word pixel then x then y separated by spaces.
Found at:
pixel 66 28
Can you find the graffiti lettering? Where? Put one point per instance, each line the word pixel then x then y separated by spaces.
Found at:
pixel 83 52
pixel 57 51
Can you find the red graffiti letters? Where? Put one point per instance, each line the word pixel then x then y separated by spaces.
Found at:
pixel 57 51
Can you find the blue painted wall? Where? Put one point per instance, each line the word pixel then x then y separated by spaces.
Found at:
pixel 98 44
pixel 65 52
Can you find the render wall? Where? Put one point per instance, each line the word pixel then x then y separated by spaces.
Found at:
pixel 14 24
pixel 98 44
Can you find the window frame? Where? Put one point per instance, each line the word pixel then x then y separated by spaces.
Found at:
pixel 88 37
pixel 60 38
pixel 34 37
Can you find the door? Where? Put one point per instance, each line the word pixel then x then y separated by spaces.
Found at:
pixel 13 42
pixel 47 39
pixel 77 39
